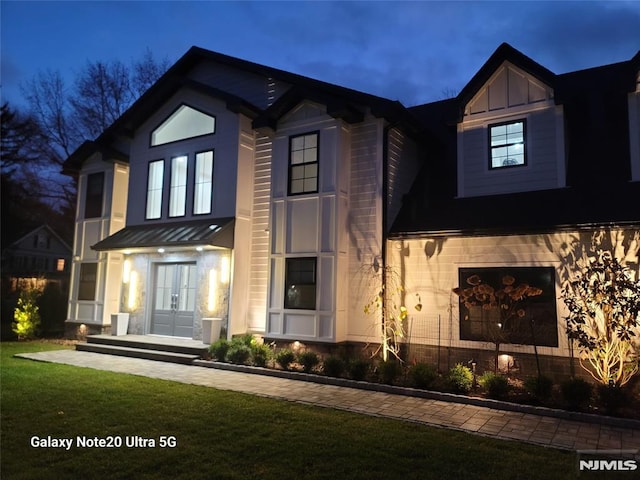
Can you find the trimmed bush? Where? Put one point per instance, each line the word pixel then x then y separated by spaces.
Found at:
pixel 260 354
pixel 460 379
pixel 333 366
pixel 359 368
pixel 576 393
pixel 422 375
pixel 388 371
pixel 285 358
pixel 308 360
pixel 238 353
pixel 219 349
pixel 496 385
pixel 539 387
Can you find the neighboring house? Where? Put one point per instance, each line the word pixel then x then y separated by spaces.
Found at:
pixel 39 258
pixel 271 200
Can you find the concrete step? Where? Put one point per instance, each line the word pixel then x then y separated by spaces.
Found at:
pixel 133 352
pixel 148 342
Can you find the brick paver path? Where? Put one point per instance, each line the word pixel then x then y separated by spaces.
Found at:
pixel 525 427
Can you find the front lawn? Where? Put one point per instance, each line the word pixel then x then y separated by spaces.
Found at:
pixel 227 435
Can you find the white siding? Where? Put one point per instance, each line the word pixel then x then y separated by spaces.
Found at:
pixel 430 266
pixel 402 167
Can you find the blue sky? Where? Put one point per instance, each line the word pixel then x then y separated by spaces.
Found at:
pixel 414 52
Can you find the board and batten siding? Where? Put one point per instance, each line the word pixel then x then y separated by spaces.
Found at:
pixel 511 95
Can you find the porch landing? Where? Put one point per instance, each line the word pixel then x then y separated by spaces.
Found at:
pixel 150 347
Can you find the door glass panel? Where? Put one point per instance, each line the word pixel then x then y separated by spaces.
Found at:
pixel 187 288
pixel 164 282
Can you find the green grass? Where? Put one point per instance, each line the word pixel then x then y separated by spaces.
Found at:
pixel 226 435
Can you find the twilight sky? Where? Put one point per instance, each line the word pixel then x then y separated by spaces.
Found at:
pixel 415 52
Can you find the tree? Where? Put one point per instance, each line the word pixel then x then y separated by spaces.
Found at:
pixel 604 307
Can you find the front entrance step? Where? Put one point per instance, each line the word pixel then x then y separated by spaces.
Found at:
pixel 132 352
pixel 163 349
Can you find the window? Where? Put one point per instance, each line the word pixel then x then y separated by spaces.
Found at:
pixel 60 265
pixel 185 122
pixel 203 183
pixel 178 190
pixel 87 285
pixel 303 164
pixel 507 144
pixel 509 304
pixel 155 180
pixel 300 283
pixel 93 199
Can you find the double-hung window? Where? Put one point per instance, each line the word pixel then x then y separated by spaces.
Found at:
pixel 93 199
pixel 300 283
pixel 178 190
pixel 507 144
pixel 155 180
pixel 303 164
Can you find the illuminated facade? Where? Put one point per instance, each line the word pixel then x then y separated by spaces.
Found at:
pixel 237 191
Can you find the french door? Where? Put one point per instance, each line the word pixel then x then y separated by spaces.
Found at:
pixel 174 299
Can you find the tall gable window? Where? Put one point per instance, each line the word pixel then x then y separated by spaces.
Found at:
pixel 154 190
pixel 178 191
pixel 507 144
pixel 303 164
pixel 93 199
pixel 203 187
pixel 186 122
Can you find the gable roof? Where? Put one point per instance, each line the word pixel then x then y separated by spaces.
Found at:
pixel 342 102
pixel 595 106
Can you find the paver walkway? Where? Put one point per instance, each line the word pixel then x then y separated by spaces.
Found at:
pixel 540 430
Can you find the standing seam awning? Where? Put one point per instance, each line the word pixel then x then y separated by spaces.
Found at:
pixel 217 232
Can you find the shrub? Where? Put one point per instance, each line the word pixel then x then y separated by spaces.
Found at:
pixel 333 366
pixel 576 393
pixel 260 354
pixel 388 371
pixel 539 387
pixel 284 358
pixel 308 360
pixel 359 368
pixel 460 379
pixel 219 349
pixel 496 385
pixel 26 316
pixel 611 397
pixel 422 375
pixel 239 353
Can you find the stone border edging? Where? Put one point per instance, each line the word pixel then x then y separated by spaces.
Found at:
pixel 414 392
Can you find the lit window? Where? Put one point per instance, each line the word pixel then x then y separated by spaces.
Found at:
pixel 185 122
pixel 154 189
pixel 178 191
pixel 303 164
pixel 60 265
pixel 203 183
pixel 300 283
pixel 507 144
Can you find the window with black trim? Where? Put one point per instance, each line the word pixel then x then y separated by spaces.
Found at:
pixel 508 305
pixel 507 144
pixel 303 164
pixel 93 198
pixel 300 283
pixel 203 183
pixel 87 284
pixel 178 188
pixel 186 122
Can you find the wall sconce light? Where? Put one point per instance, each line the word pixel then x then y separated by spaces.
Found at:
pixel 224 270
pixel 126 271
pixel 133 291
pixel 213 289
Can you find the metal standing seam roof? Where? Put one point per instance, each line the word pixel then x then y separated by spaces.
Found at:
pixel 216 232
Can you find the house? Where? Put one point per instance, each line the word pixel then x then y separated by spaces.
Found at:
pixel 274 202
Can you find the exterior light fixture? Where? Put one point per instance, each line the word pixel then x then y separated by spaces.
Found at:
pixel 199 249
pixel 161 250
pixel 126 271
pixel 133 290
pixel 224 270
pixel 213 290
